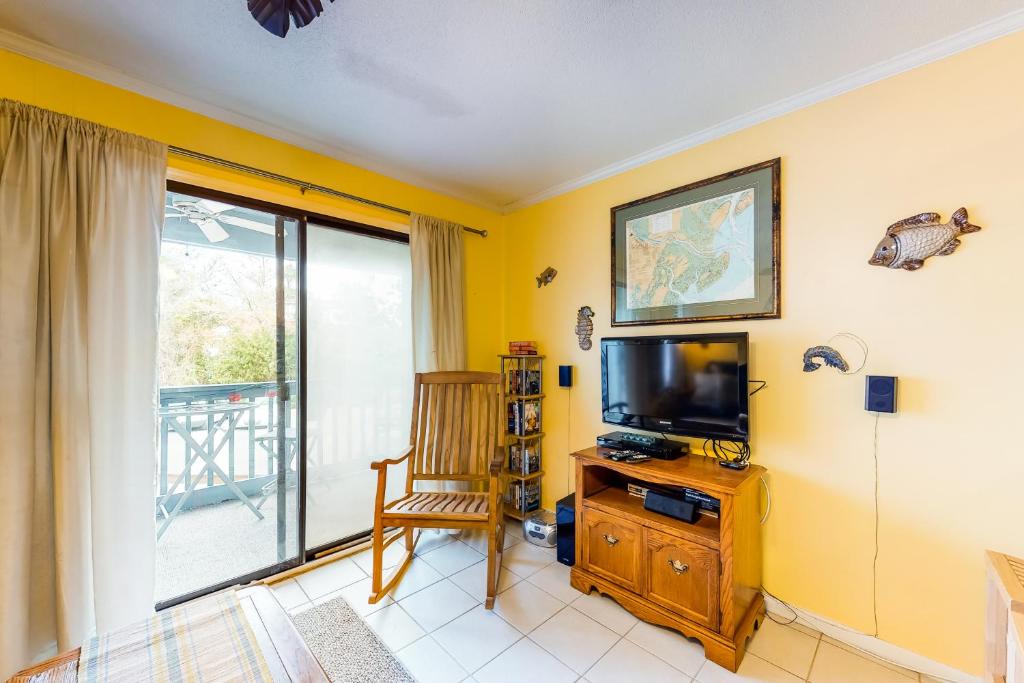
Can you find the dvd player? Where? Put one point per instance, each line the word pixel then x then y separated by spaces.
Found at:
pixel 654 446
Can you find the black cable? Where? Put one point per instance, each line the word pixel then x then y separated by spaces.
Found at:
pixel 729 451
pixel 757 381
pixel 796 615
pixel 874 562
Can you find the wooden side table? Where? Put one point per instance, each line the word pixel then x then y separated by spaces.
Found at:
pixel 1004 620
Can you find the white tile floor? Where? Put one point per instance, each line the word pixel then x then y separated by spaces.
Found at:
pixel 543 630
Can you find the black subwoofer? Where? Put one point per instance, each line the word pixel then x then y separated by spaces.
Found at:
pixel 565 530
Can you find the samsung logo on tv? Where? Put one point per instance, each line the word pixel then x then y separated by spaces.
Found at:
pixel 665 422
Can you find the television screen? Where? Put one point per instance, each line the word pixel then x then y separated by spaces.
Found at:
pixel 694 385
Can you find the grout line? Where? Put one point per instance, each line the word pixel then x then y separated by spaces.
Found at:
pixel 656 655
pixel 696 676
pixel 813 658
pixel 604 654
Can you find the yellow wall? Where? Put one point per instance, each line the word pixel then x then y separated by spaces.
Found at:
pixel 942 136
pixel 46 86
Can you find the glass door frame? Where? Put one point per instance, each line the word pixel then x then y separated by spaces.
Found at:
pixel 302 218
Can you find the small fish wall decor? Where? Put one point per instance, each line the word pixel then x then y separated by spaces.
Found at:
pixel 585 327
pixel 907 243
pixel 830 356
pixel 546 277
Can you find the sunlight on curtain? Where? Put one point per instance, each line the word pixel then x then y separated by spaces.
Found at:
pixel 80 216
pixel 359 375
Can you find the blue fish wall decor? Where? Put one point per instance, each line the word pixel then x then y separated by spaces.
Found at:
pixel 830 356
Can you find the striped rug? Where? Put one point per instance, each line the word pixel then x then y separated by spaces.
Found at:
pixel 208 640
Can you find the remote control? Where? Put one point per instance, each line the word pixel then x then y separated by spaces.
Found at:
pixel 628 456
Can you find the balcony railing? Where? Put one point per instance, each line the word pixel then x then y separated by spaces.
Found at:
pixel 247 455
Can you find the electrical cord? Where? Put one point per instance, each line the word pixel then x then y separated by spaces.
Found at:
pixel 818 623
pixel 874 562
pixel 768 503
pixel 859 342
pixel 729 451
pixel 568 442
pixel 757 381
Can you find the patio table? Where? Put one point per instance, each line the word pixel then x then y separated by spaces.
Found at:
pixel 224 418
pixel 268 443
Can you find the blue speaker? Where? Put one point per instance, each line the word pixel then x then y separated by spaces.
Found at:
pixel 880 394
pixel 565 375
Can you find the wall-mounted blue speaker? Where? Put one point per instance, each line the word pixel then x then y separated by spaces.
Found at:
pixel 880 394
pixel 565 375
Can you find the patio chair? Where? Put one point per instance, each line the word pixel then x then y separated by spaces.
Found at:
pixel 457 436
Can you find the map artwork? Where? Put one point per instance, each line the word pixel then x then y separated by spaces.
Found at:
pixel 699 253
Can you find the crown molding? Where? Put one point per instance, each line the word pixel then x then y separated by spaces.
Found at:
pixel 939 49
pixel 946 47
pixel 55 56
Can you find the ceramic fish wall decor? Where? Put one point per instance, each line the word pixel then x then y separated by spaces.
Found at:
pixel 907 243
pixel 830 356
pixel 547 276
pixel 585 327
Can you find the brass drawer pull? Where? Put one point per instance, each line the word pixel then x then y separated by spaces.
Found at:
pixel 610 540
pixel 678 567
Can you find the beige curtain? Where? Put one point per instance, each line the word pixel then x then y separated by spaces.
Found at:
pixel 81 207
pixel 438 318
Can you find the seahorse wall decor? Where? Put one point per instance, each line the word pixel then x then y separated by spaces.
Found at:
pixel 584 327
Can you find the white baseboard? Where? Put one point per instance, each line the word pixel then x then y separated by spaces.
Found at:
pixel 868 644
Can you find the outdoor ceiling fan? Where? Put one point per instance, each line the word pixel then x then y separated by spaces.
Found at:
pixel 207 215
pixel 276 15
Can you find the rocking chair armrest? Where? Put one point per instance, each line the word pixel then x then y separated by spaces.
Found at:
pixel 497 462
pixel 381 465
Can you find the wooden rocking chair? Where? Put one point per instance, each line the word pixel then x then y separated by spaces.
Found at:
pixel 457 436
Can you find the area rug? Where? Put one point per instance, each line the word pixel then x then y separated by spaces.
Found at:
pixel 206 640
pixel 346 648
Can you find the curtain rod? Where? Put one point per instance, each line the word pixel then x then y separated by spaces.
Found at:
pixel 301 184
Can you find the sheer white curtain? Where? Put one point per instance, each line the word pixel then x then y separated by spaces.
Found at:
pixel 80 217
pixel 438 318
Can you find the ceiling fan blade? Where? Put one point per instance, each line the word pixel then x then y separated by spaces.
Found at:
pixel 212 206
pixel 213 230
pixel 247 224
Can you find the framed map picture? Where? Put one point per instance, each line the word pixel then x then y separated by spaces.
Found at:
pixel 705 251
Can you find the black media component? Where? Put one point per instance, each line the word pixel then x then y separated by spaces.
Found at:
pixel 672 506
pixel 734 464
pixel 654 446
pixel 565 533
pixel 691 385
pixel 565 375
pixel 702 500
pixel 880 394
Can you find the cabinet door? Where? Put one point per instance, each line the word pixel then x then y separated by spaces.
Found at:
pixel 683 577
pixel 611 548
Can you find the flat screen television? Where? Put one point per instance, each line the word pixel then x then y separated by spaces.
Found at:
pixel 690 385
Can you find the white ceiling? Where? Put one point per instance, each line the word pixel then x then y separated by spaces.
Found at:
pixel 501 101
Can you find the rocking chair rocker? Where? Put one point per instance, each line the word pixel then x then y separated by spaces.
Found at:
pixel 457 436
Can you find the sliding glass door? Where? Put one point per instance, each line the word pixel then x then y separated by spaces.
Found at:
pixel 286 367
pixel 227 503
pixel 359 369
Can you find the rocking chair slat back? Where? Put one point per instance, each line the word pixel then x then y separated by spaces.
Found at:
pixel 456 424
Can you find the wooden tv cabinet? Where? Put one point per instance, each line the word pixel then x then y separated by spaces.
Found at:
pixel 701 579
